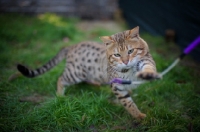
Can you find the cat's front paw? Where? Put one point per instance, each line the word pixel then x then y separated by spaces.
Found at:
pixel 141 116
pixel 148 75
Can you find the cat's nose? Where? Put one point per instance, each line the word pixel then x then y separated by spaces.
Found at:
pixel 125 62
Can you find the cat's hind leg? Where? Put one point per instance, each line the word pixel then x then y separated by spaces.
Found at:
pixel 60 87
pixel 68 78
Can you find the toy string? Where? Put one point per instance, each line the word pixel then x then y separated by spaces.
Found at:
pixel 186 51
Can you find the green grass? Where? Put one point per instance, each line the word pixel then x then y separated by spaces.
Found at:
pixel 171 104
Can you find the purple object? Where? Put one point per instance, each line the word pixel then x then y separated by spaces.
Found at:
pixel 192 45
pixel 116 80
pixel 120 81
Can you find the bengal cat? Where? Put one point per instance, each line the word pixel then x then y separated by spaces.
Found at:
pixel 123 55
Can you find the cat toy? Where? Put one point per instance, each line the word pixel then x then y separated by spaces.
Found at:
pixel 186 51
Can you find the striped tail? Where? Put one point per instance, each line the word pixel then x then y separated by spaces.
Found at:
pixel 49 65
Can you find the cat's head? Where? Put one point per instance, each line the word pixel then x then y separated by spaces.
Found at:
pixel 124 49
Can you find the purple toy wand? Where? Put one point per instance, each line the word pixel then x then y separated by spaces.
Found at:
pixel 192 45
pixel 186 51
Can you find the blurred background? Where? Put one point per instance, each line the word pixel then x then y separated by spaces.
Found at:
pixel 178 20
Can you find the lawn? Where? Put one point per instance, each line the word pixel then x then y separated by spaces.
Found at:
pixel 171 104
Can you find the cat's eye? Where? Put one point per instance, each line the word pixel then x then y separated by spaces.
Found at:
pixel 130 51
pixel 117 55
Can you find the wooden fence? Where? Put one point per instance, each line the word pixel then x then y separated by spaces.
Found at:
pixel 91 9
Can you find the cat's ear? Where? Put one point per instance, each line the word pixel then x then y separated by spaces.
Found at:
pixel 107 40
pixel 134 33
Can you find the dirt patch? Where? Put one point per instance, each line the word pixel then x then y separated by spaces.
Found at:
pixel 34 98
pixel 91 25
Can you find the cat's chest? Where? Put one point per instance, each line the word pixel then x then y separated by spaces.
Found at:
pixel 130 74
